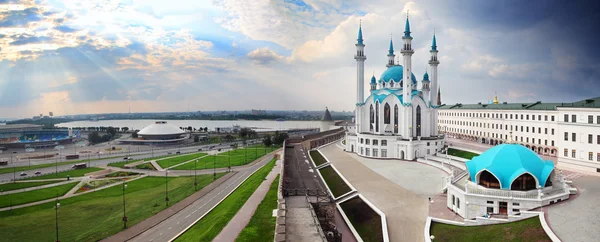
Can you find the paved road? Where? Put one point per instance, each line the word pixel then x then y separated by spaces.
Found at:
pixel 144 155
pixel 171 227
pixel 299 171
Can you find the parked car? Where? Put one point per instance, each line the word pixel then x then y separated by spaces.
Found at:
pixel 38 173
pixel 127 158
pixel 23 174
pixel 200 149
pixel 178 152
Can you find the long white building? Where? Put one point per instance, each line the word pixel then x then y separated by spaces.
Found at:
pixel 568 131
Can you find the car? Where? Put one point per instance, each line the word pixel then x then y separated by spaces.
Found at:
pixel 23 174
pixel 200 149
pixel 38 173
pixel 219 150
pixel 178 152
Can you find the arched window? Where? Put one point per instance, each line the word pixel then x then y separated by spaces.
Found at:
pixel 396 118
pixel 488 180
pixel 386 114
pixel 377 117
pixel 418 120
pixel 524 182
pixel 371 117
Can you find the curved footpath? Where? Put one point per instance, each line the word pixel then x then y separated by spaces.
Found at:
pixel 405 211
pixel 165 229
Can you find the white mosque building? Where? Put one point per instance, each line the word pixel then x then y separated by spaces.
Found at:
pixel 397 120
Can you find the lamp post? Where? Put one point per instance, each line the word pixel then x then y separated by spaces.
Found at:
pixel 195 179
pixel 124 216
pixel 56 208
pixel 214 167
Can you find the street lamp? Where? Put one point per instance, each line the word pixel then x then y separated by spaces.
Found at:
pixel 214 167
pixel 56 208
pixel 167 186
pixel 195 180
pixel 124 216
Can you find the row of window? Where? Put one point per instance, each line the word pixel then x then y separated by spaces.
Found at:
pixel 375 152
pixel 501 136
pixel 375 142
pixel 590 138
pixel 574 155
pixel 574 119
pixel 500 126
pixel 498 116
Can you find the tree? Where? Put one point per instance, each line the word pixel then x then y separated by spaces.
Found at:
pixel 244 132
pixel 135 134
pixel 279 138
pixel 253 134
pixel 125 129
pixel 267 140
pixel 218 130
pixel 94 137
pixel 196 139
pixel 111 131
pixel 205 129
pixel 229 138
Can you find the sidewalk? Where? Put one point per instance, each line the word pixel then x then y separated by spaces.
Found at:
pixel 43 186
pixel 243 216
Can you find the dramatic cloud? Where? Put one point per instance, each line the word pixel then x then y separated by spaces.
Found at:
pixel 264 56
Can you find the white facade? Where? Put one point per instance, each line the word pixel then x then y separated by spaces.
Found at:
pixel 538 126
pixel 396 120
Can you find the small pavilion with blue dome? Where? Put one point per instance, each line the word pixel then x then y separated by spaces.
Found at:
pixel 505 181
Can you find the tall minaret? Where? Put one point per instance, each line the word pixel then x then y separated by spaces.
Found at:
pixel 433 63
pixel 407 52
pixel 373 83
pixel 360 67
pixel 425 89
pixel 391 54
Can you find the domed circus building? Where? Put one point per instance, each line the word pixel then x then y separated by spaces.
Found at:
pixel 399 117
pixel 505 180
pixel 159 132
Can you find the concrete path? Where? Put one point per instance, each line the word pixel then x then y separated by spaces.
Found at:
pixel 43 186
pixel 406 212
pixel 33 203
pixel 242 217
pixel 156 165
pixel 300 225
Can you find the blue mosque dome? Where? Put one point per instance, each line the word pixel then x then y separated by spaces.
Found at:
pixel 396 73
pixel 507 162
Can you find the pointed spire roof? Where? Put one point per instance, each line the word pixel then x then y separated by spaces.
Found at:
pixel 391 50
pixel 407 27
pixel 426 77
pixel 433 42
pixel 360 38
pixel 327 115
pixel 373 79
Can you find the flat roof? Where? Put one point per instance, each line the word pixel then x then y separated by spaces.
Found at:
pixel 586 103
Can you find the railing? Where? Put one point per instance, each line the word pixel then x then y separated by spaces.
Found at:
pixel 460 176
pixel 503 193
pixel 313 214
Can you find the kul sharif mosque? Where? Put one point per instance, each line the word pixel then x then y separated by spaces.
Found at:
pixel 399 117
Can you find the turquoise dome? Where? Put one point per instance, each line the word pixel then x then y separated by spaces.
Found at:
pixel 509 161
pixel 396 73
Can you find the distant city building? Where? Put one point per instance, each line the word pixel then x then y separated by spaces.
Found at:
pixel 326 121
pixel 258 112
pixel 397 120
pixel 568 131
pixel 30 135
pixel 159 132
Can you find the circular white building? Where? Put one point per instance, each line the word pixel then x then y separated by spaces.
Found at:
pixel 160 130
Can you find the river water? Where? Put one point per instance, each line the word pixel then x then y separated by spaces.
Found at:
pixel 259 125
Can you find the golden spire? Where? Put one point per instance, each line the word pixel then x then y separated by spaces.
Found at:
pixel 496 98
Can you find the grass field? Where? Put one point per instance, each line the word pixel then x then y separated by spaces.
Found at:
pixel 97 215
pixel 122 173
pixel 211 225
pixel 20 185
pixel 64 174
pixel 145 166
pixel 366 221
pixel 525 230
pixel 121 164
pixel 262 223
pixel 461 153
pixel 95 184
pixel 178 160
pixel 35 167
pixel 35 195
pixel 335 183
pixel 239 157
pixel 317 157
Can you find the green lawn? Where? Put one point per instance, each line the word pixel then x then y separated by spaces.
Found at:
pixel 97 215
pixel 122 173
pixel 335 183
pixel 64 174
pixel 211 225
pixel 178 160
pixel 238 158
pixel 525 230
pixel 121 164
pixel 35 195
pixel 262 223
pixel 366 221
pixel 461 153
pixel 95 184
pixel 317 157
pixel 35 167
pixel 20 185
pixel 145 166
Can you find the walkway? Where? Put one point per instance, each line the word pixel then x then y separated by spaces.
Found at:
pixel 300 224
pixel 406 212
pixel 242 217
pixel 43 186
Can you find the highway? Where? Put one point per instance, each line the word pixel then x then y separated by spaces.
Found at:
pixel 142 155
pixel 176 224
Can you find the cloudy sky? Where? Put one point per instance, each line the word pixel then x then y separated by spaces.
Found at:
pixel 78 56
